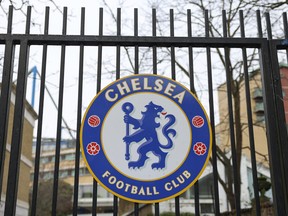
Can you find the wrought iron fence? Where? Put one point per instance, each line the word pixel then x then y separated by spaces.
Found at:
pixel 266 50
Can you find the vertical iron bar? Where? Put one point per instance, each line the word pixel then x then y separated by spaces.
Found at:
pixel 173 76
pixel 6 95
pixel 59 119
pixel 270 116
pixel 154 49
pixel 192 88
pixel 259 24
pixel 40 119
pixel 115 205
pixel 157 209
pixel 285 24
pixel 99 75
pixel 99 63
pixel 281 149
pixel 197 201
pixel 18 122
pixel 190 53
pixel 94 201
pixel 281 125
pixel 212 121
pixel 269 28
pixel 173 70
pixel 79 114
pixel 177 206
pixel 250 121
pixel 118 46
pixel 136 46
pixel 229 80
pixel 154 59
pixel 282 170
pixel 136 71
pixel 115 199
pixel 272 131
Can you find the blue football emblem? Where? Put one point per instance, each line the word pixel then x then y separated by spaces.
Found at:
pixel 145 128
pixel 145 138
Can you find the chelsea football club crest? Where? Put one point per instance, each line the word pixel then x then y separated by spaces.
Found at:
pixel 146 138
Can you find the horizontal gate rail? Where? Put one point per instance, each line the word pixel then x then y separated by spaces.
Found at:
pixel 145 41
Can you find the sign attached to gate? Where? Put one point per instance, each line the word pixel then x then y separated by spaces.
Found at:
pixel 146 138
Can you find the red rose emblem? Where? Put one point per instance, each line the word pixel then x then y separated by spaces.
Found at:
pixel 200 148
pixel 93 148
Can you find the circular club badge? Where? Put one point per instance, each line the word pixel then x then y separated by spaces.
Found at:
pixel 146 138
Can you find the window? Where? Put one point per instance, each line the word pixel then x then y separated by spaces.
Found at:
pixel 205 188
pixel 250 184
pixel 85 191
pixel 71 172
pixel 44 160
pixel 70 157
pixel 64 173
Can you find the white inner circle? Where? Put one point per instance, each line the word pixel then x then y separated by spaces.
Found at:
pixel 114 130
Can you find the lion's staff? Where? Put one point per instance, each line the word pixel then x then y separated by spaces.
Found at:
pixel 127 109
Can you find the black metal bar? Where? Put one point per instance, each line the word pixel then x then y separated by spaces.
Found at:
pixel 136 209
pixel 177 206
pixel 173 69
pixel 250 120
pixel 259 24
pixel 272 133
pixel 59 118
pixel 136 71
pixel 192 88
pixel 154 48
pixel 212 121
pixel 196 197
pixel 40 120
pixel 99 63
pixel 6 95
pixel 157 209
pixel 136 46
pixel 269 26
pixel 281 124
pixel 190 53
pixel 173 76
pixel 154 59
pixel 118 54
pixel 285 24
pixel 143 41
pixel 18 122
pixel 99 75
pixel 115 198
pixel 94 201
pixel 79 115
pixel 229 80
pixel 280 146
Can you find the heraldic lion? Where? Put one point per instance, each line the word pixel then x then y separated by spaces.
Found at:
pixel 147 131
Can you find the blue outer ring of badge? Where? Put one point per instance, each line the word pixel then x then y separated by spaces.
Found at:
pixel 146 191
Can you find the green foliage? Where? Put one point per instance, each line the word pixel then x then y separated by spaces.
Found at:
pixel 44 199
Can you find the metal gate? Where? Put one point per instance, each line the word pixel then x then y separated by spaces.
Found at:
pixel 267 50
